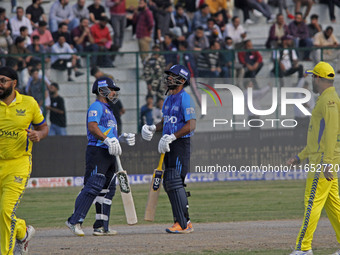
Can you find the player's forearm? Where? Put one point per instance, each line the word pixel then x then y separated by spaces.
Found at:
pixel 159 126
pixel 42 130
pixel 186 129
pixel 303 154
pixel 95 131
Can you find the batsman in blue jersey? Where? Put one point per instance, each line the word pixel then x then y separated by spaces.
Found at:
pixel 103 145
pixel 178 125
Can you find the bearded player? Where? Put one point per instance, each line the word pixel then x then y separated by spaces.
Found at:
pixel 178 125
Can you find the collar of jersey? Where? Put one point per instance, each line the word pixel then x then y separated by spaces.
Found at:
pixel 328 90
pixel 17 99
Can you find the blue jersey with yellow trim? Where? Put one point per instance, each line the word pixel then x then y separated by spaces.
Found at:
pixel 102 114
pixel 177 110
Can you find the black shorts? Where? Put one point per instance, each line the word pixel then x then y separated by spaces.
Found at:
pixel 179 156
pixel 99 161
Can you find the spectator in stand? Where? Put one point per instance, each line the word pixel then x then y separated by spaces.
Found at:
pixel 282 4
pixel 84 41
pixel 219 6
pixel 201 17
pixel 198 41
pixel 96 10
pixel 62 31
pixel 80 11
pixel 276 32
pixel 19 48
pixel 35 13
pixel 102 38
pixel 143 19
pixel 57 111
pixel 235 30
pixel 153 73
pixel 24 34
pixel 36 89
pixel 45 36
pixel 314 26
pixel 210 65
pixel 252 62
pixel 167 45
pixel 97 73
pixel 162 21
pixel 118 110
pixel 190 7
pixel 64 62
pixel 218 17
pixel 288 61
pixel 263 8
pixel 146 111
pixel 244 6
pixel 300 3
pixel 213 32
pixel 331 7
pixel 18 21
pixel 61 12
pixel 5 19
pixel 118 20
pixel 37 48
pixel 5 37
pixel 188 58
pixel 157 113
pixel 299 31
pixel 181 21
pixel 326 39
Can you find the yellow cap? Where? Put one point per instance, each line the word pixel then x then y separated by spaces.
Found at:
pixel 323 70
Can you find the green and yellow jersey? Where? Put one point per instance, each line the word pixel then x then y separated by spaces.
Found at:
pixel 15 118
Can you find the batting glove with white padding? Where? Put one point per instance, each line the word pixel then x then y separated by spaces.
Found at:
pixel 164 143
pixel 148 131
pixel 128 138
pixel 113 146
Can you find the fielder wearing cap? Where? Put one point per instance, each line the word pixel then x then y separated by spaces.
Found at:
pixel 103 145
pixel 323 153
pixel 22 123
pixel 178 125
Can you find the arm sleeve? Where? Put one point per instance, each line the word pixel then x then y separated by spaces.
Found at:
pixel 94 113
pixel 303 154
pixel 331 117
pixel 188 108
pixel 38 117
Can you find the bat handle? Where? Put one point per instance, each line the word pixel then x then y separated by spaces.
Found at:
pixel 160 162
pixel 119 164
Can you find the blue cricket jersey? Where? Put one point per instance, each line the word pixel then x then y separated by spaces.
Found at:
pixel 102 114
pixel 177 111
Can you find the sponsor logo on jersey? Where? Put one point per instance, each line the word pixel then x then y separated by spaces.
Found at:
pixel 9 134
pixel 93 113
pixel 190 110
pixel 171 119
pixel 18 179
pixel 21 112
pixel 111 123
pixel 175 108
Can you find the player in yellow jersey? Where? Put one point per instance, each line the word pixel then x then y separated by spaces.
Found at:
pixel 21 124
pixel 323 152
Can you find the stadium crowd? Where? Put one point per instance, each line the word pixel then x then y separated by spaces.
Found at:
pixel 168 27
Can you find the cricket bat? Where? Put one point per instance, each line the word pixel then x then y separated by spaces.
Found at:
pixel 155 188
pixel 125 190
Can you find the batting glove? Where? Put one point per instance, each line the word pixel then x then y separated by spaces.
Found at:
pixel 164 143
pixel 113 146
pixel 148 131
pixel 128 138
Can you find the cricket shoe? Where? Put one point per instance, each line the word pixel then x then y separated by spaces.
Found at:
pixel 75 229
pixel 177 229
pixel 21 247
pixel 309 252
pixel 337 252
pixel 101 232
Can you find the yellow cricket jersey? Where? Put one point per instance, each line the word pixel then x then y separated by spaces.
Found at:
pixel 14 119
pixel 323 140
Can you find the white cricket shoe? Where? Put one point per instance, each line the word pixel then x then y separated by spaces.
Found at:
pixel 337 252
pixel 101 232
pixel 21 247
pixel 257 13
pixel 75 229
pixel 309 252
pixel 249 22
